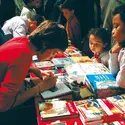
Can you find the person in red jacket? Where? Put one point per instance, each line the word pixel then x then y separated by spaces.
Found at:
pixel 15 59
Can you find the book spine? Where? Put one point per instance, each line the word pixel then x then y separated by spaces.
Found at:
pixel 71 107
pixel 113 112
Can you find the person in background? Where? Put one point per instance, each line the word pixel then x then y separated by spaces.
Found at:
pixel 72 26
pixel 112 4
pixel 117 53
pixel 3 38
pixel 16 57
pixel 29 8
pixel 99 43
pixel 20 25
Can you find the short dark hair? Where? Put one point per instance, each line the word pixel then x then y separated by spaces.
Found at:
pixel 49 35
pixel 38 18
pixel 120 10
pixel 67 5
pixel 103 34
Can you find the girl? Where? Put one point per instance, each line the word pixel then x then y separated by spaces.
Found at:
pixel 117 53
pixel 99 43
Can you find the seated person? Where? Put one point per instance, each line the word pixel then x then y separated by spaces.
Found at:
pixel 20 25
pixel 16 58
pixel 99 43
pixel 117 53
pixel 72 26
pixel 29 8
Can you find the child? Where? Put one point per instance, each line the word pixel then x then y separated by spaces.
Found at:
pixel 21 25
pixel 72 26
pixel 117 53
pixel 29 7
pixel 99 43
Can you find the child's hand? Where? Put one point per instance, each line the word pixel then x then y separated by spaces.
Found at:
pixel 116 48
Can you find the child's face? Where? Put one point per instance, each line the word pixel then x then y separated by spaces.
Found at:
pixel 118 31
pixel 36 3
pixel 95 44
pixel 67 13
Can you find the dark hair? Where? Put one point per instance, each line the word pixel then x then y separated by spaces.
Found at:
pixel 49 35
pixel 38 18
pixel 26 1
pixel 67 5
pixel 103 34
pixel 120 10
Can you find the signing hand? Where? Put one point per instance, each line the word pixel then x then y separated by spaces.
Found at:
pixel 48 83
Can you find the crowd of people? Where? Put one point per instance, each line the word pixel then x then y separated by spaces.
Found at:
pixel 45 28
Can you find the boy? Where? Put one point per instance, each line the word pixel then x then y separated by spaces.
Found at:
pixel 72 26
pixel 20 25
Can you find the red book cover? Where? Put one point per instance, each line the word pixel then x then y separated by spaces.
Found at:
pixel 97 110
pixel 57 109
pixel 118 101
pixel 112 111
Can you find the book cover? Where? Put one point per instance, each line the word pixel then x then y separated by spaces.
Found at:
pixel 45 65
pixel 81 59
pixel 57 109
pixel 103 85
pixel 94 68
pixel 61 89
pixel 90 109
pixel 97 110
pixel 61 62
pixel 118 101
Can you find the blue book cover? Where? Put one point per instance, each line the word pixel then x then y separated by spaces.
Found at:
pixel 102 81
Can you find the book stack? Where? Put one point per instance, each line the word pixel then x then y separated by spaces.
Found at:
pixel 98 111
pixel 57 109
pixel 118 101
pixel 102 85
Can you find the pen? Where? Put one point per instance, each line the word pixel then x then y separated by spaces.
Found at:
pixel 75 123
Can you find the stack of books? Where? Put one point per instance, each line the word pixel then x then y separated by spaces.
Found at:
pixel 118 101
pixel 98 111
pixel 56 109
pixel 102 85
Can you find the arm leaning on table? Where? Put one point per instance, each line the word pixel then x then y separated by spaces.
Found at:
pixel 47 83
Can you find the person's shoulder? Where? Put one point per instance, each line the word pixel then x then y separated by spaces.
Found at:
pixel 73 20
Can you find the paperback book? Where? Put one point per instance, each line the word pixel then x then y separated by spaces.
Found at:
pixel 81 59
pixel 57 109
pixel 61 62
pixel 61 89
pixel 118 101
pixel 103 85
pixel 98 109
pixel 45 65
